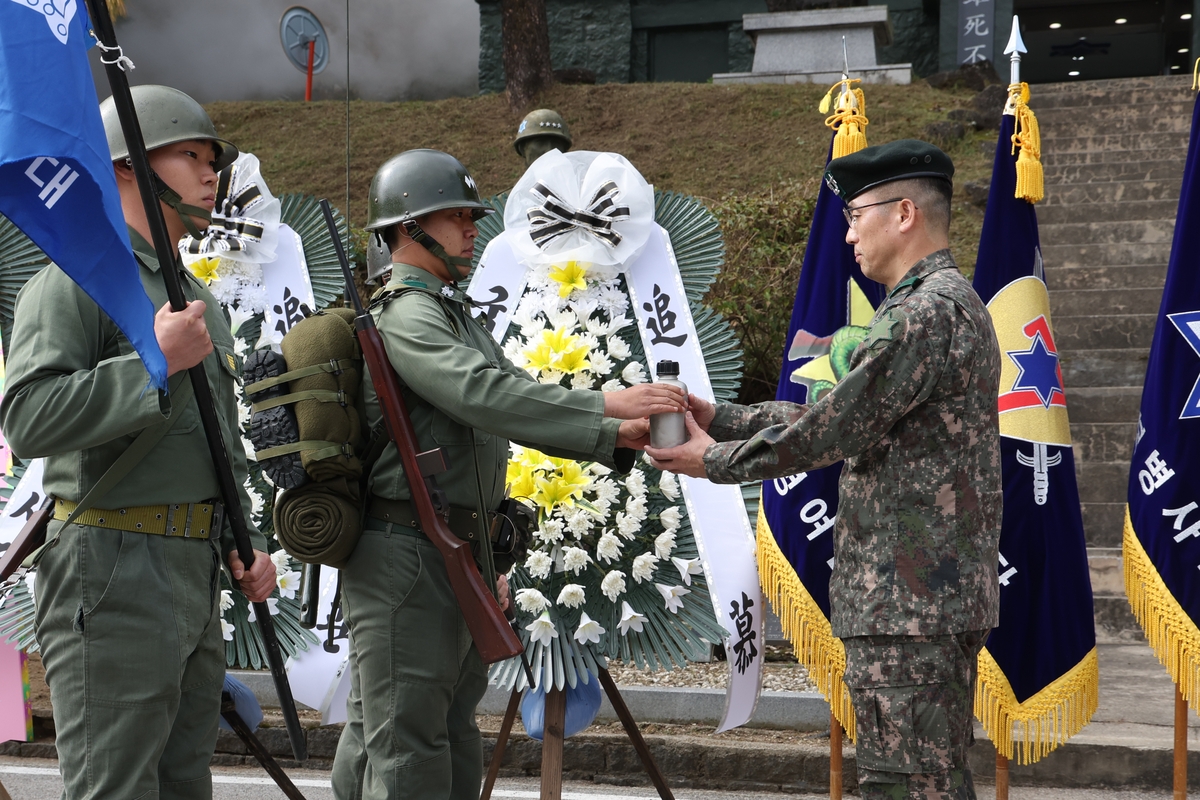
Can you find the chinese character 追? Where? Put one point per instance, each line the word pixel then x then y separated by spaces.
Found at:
pixel 1155 474
pixel 664 319
pixel 291 312
pixel 492 308
pixel 1180 515
pixel 744 650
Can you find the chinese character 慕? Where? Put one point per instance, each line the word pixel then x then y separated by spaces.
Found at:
pixel 744 650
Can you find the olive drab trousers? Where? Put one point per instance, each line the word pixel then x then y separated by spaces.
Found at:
pixel 130 632
pixel 416 677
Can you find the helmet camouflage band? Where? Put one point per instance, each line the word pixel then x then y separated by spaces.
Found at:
pixel 166 116
pixel 542 122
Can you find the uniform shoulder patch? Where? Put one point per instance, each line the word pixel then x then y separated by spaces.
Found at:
pixel 886 329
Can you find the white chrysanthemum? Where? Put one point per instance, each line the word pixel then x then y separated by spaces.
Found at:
pixel 571 596
pixel 670 518
pixel 575 559
pixel 256 503
pixel 628 526
pixel 288 583
pixel 613 585
pixel 281 560
pixel 551 531
pixel 244 415
pixel 606 490
pixel 617 348
pixel 564 319
pixel 551 376
pixel 539 564
pixel 578 521
pixel 596 326
pixel 531 601
pixel 226 630
pixel 514 351
pixel 672 596
pixel 272 607
pixel 669 486
pixel 582 380
pixel 588 631
pixel 601 364
pixel 608 549
pixel 614 385
pixel 542 629
pixel 635 482
pixel 226 600
pixel 630 619
pixel 664 544
pixel 687 568
pixel 612 301
pixel 635 507
pixel 634 373
pixel 643 567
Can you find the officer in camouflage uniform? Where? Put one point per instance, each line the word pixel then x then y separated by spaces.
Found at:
pixel 540 132
pixel 914 589
pixel 416 676
pixel 128 596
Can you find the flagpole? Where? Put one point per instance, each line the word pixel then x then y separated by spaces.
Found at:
pixel 835 757
pixel 223 466
pixel 1181 752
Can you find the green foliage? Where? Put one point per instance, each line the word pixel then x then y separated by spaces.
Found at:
pixel 765 236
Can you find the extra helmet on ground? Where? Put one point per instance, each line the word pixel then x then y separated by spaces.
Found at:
pixel 166 116
pixel 417 182
pixel 543 122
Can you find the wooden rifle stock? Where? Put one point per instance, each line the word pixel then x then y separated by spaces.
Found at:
pixel 30 538
pixel 494 637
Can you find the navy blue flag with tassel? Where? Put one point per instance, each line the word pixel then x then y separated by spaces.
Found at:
pixel 1038 674
pixel 56 177
pixel 1161 545
pixel 834 304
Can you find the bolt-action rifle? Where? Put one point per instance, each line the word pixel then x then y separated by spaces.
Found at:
pixel 494 637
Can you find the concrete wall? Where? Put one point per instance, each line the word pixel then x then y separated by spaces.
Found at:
pixel 915 37
pixel 230 49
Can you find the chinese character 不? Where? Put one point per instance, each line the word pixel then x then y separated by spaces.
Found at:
pixel 664 319
pixel 1008 573
pixel 492 308
pixel 976 26
pixel 1155 474
pixel 744 649
pixel 291 312
pixel 974 53
pixel 1180 515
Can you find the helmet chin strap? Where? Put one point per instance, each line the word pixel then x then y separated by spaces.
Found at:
pixel 456 266
pixel 186 212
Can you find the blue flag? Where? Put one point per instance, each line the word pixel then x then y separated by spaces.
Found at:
pixel 1162 529
pixel 56 176
pixel 1038 672
pixel 834 304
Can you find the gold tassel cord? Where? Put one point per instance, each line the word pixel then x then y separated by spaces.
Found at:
pixel 1045 720
pixel 804 625
pixel 849 120
pixel 116 8
pixel 1028 138
pixel 1171 633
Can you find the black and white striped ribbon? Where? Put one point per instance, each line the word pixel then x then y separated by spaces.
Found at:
pixel 555 217
pixel 231 229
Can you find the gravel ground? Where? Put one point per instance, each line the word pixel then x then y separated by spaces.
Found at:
pixel 781 673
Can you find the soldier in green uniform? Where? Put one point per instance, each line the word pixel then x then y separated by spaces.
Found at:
pixel 416 676
pixel 540 132
pixel 914 588
pixel 128 595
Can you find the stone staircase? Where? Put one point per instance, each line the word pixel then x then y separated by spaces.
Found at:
pixel 1113 153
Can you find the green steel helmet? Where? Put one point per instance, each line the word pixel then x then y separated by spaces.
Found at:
pixel 542 122
pixel 166 116
pixel 417 182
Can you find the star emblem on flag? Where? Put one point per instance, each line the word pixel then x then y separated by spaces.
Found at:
pixel 1038 370
pixel 1188 325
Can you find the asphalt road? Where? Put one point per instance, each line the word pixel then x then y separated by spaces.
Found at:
pixel 37 779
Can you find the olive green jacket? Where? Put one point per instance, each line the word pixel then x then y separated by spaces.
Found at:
pixel 456 381
pixel 77 394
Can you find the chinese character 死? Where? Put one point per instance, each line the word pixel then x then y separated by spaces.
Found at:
pixel 664 319
pixel 744 650
pixel 1180 515
pixel 492 308
pixel 1155 474
pixel 291 312
pixel 976 25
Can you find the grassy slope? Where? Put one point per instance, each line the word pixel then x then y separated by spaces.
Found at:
pixel 693 138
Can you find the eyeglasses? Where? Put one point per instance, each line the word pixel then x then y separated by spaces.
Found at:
pixel 851 219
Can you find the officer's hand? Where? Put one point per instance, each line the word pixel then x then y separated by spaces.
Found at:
pixel 643 400
pixel 502 591
pixel 258 582
pixel 182 336
pixel 687 458
pixel 702 410
pixel 634 434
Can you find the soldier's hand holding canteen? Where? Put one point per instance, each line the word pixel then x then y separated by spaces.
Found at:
pixel 687 458
pixel 702 410
pixel 182 336
pixel 643 400
pixel 634 434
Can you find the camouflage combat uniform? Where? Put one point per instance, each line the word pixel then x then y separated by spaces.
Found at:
pixel 914 587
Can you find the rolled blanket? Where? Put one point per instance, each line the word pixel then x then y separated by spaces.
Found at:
pixel 320 522
pixel 318 340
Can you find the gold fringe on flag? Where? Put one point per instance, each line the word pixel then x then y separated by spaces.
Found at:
pixel 1170 631
pixel 848 120
pixel 1026 136
pixel 116 8
pixel 1042 722
pixel 804 625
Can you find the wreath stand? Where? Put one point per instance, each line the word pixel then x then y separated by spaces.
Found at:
pixel 552 741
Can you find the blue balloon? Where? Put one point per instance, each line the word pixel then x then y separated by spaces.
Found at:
pixel 583 704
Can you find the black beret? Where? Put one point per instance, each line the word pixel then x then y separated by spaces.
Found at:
pixel 850 176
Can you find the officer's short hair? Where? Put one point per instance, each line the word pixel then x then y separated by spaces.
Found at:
pixel 932 196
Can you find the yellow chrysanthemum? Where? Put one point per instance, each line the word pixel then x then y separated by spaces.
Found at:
pixel 569 277
pixel 205 269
